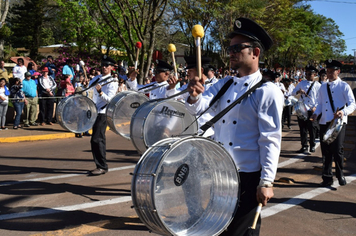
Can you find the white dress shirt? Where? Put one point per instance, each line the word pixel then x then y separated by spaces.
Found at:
pixel 153 94
pixel 342 96
pixel 251 131
pixel 311 100
pixel 109 91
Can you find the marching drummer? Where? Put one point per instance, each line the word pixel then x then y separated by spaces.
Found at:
pixel 101 97
pixel 336 100
pixel 251 131
pixel 308 90
pixel 162 73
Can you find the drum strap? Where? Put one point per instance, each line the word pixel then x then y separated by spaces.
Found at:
pixel 311 86
pixel 211 122
pixel 330 98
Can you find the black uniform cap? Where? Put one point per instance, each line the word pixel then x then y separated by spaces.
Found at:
pixel 333 64
pixel 322 71
pixel 108 60
pixel 192 61
pixel 311 68
pixel 252 30
pixel 163 66
pixel 270 74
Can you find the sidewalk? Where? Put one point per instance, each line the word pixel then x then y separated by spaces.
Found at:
pixel 34 133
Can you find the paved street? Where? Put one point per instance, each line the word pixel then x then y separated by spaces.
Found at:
pixel 45 190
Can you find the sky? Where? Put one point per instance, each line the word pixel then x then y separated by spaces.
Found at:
pixel 343 13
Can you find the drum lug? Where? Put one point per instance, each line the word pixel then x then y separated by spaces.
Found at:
pixel 154 175
pixel 154 211
pixel 131 173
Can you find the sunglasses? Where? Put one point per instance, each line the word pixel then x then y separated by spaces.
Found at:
pixel 237 48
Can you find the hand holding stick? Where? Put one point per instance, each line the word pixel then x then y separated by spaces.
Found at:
pixel 172 49
pixel 198 33
pixel 138 46
pixel 258 211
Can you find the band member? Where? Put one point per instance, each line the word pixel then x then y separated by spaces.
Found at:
pixel 162 73
pixel 336 100
pixel 250 131
pixel 101 97
pixel 323 78
pixel 308 90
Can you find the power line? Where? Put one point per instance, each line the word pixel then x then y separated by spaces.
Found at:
pixel 350 38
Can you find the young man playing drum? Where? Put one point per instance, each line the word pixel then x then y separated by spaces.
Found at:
pixel 250 131
pixel 308 91
pixel 101 97
pixel 336 101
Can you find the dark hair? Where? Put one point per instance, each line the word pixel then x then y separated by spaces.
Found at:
pixel 30 66
pixel 3 79
pixel 49 56
pixel 20 59
pixel 256 44
pixel 206 69
pixel 91 70
pixel 69 61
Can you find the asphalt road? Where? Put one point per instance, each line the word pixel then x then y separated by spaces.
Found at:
pixel 45 190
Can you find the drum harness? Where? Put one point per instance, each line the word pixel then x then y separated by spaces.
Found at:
pixel 221 92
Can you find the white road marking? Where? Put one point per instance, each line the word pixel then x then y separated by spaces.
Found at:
pixel 59 176
pixel 65 208
pixel 270 211
pixel 295 158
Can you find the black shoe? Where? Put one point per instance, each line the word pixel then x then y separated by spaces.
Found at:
pixel 326 183
pixel 342 181
pixel 303 150
pixel 312 149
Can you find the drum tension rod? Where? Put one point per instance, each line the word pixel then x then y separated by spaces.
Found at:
pixel 143 174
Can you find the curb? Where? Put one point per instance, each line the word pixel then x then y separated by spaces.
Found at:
pixel 36 137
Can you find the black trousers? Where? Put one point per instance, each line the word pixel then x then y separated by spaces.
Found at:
pixel 246 211
pixel 333 150
pixel 286 115
pixel 98 142
pixel 306 126
pixel 46 109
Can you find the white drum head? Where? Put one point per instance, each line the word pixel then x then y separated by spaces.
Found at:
pixel 76 113
pixel 195 189
pixel 120 110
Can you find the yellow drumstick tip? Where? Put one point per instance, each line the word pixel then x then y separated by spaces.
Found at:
pixel 198 31
pixel 171 47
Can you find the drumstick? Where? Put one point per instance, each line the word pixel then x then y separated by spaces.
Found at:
pixel 138 46
pixel 258 211
pixel 198 33
pixel 172 49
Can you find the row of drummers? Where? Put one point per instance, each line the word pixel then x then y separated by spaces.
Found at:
pixel 142 119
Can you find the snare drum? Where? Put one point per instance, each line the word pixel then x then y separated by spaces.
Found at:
pixel 187 186
pixel 301 110
pixel 333 131
pixel 156 120
pixel 120 110
pixel 76 113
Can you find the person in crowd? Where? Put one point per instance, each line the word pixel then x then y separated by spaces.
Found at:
pixel 31 67
pixel 122 86
pixel 211 75
pixel 162 73
pixel 92 73
pixel 122 74
pixel 323 78
pixel 4 102
pixel 35 77
pixel 308 90
pixel 102 96
pixel 18 101
pixel 3 71
pixel 68 70
pixel 52 69
pixel 278 83
pixel 47 87
pixel 29 88
pixel 335 101
pixel 251 131
pixel 20 69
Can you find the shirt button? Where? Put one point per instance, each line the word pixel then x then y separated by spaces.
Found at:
pixel 234 122
pixel 230 143
pixel 245 84
pixel 326 110
pixel 228 101
pixel 223 121
pixel 235 83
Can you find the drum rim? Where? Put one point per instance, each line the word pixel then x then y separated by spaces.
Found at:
pixel 123 95
pixel 63 101
pixel 167 152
